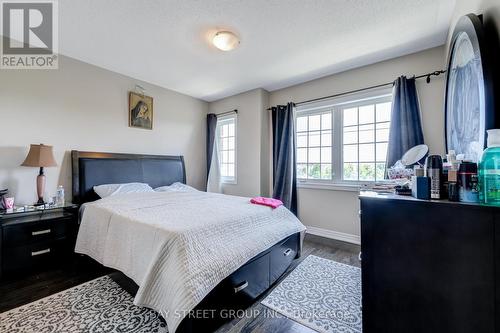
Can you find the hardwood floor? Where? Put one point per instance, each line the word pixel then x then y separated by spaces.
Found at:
pixel 16 292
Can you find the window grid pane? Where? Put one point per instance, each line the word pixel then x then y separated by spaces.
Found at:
pixel 226 138
pixel 314 146
pixel 365 139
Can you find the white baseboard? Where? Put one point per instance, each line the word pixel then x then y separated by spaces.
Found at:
pixel 341 236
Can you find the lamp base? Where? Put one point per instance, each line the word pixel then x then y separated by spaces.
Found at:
pixel 40 202
pixel 40 187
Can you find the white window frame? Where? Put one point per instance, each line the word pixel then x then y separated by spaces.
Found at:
pixel 221 121
pixel 336 105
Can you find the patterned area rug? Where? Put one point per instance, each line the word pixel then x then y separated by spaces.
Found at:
pixel 99 305
pixel 321 294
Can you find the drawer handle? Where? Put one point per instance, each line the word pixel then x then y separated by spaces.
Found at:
pixel 41 232
pixel 37 253
pixel 241 287
pixel 287 252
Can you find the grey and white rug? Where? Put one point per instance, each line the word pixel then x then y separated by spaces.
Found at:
pixel 99 305
pixel 321 294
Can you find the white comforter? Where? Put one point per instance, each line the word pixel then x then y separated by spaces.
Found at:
pixel 178 246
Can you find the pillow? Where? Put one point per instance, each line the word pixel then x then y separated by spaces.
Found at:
pixel 176 187
pixel 108 190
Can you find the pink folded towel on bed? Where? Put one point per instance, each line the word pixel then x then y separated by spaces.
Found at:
pixel 270 202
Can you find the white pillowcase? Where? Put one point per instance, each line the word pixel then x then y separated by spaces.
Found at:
pixel 176 187
pixel 107 190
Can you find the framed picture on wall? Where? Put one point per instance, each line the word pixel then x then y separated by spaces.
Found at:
pixel 140 112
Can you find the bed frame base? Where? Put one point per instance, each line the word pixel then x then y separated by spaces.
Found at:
pixel 237 291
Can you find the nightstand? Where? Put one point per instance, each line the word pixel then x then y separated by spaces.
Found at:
pixel 37 239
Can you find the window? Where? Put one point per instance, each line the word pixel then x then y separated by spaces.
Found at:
pixel 344 140
pixel 226 144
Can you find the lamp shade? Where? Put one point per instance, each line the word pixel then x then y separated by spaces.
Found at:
pixel 40 156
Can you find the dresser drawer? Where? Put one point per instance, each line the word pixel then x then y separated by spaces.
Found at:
pixel 34 255
pixel 250 280
pixel 23 234
pixel 282 256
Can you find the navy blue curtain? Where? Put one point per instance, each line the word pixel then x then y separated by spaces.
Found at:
pixel 406 125
pixel 284 168
pixel 211 128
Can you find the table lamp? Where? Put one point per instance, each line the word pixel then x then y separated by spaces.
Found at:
pixel 40 156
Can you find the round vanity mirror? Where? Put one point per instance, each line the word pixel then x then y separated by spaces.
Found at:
pixel 414 155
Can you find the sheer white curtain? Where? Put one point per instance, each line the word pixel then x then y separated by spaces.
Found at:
pixel 214 178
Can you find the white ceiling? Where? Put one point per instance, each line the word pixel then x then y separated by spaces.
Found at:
pixel 283 42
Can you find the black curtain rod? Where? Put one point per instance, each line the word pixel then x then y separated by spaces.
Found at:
pixel 427 76
pixel 228 112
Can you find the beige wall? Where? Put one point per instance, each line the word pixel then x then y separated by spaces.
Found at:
pixel 337 210
pixel 252 153
pixel 84 107
pixel 431 95
pixel 265 153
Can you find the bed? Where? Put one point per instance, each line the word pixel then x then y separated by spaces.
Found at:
pixel 184 252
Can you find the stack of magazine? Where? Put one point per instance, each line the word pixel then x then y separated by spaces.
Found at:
pixel 386 187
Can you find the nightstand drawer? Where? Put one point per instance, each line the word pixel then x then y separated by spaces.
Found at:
pixel 24 234
pixel 34 255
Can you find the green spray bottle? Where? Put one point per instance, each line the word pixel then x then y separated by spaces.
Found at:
pixel 489 170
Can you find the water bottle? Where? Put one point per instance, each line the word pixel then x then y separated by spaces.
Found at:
pixel 489 171
pixel 60 196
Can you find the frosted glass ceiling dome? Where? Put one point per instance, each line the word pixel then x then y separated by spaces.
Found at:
pixel 226 41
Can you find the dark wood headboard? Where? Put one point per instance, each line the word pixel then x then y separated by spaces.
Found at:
pixel 93 168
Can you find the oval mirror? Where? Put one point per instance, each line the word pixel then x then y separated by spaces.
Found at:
pixel 469 98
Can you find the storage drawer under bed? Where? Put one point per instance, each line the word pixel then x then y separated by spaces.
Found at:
pixel 256 276
pixel 281 257
pixel 251 280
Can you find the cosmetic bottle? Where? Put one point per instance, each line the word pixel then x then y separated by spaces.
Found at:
pixel 444 178
pixel 434 170
pixel 489 170
pixel 452 185
pixel 467 182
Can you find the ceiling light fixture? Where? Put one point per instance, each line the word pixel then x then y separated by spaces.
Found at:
pixel 225 41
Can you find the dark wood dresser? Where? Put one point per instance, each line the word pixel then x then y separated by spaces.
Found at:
pixel 429 266
pixel 36 239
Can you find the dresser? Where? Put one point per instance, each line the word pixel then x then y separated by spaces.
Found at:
pixel 429 266
pixel 36 239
